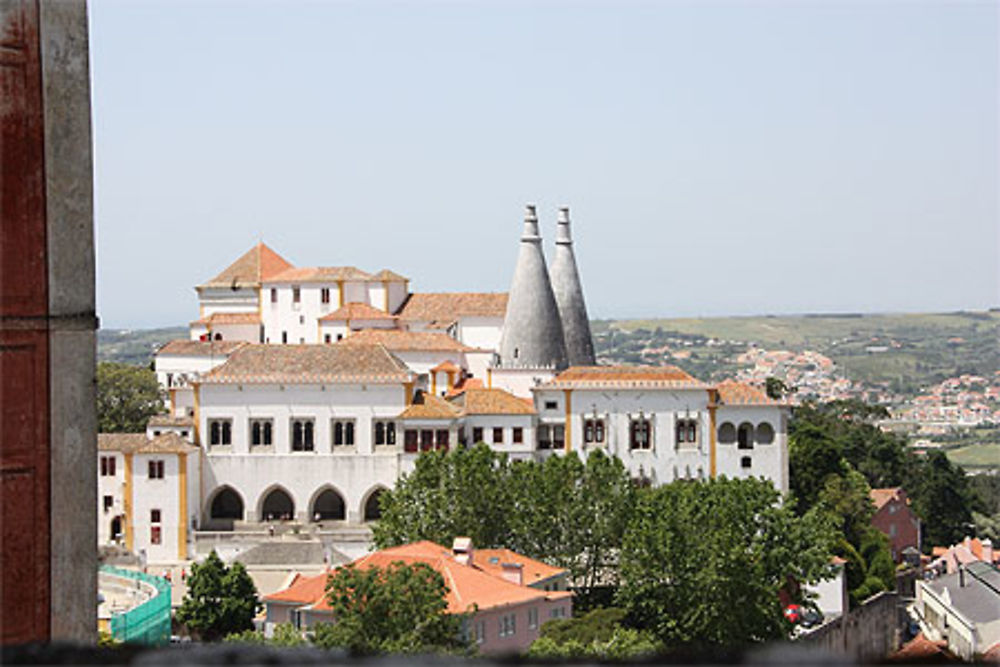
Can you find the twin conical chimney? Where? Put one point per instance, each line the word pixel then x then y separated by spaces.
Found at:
pixel 569 297
pixel 532 331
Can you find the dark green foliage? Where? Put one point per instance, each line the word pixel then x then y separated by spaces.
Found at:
pixel 986 491
pixel 127 396
pixel 220 600
pixel 398 609
pixel 942 498
pixel 566 512
pixel 597 625
pixel 702 563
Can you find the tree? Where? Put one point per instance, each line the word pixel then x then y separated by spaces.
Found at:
pixel 461 492
pixel 702 563
pixel 776 388
pixel 598 635
pixel 942 498
pixel 127 396
pixel 220 600
pixel 397 609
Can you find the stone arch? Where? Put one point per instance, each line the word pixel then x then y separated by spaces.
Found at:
pixel 226 503
pixel 764 435
pixel 276 503
pixel 727 433
pixel 370 509
pixel 327 504
pixel 744 436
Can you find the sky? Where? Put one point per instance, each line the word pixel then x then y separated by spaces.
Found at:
pixel 718 158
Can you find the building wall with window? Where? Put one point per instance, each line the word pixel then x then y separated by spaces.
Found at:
pixel 110 496
pixel 227 300
pixel 762 443
pixel 506 427
pixel 480 332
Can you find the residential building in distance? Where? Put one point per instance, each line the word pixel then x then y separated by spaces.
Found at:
pixel 894 519
pixel 963 609
pixel 507 596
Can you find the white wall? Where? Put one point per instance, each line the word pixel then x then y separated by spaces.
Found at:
pixel 113 486
pixel 161 494
pixel 518 381
pixel 397 295
pixel 769 461
pixel 176 365
pixel 227 300
pixel 480 332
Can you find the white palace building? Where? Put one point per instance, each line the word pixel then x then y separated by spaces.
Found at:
pixel 305 391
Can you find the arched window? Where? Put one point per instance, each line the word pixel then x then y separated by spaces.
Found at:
pixel 215 432
pixel 227 432
pixel 349 433
pixel 308 435
pixel 744 436
pixel 727 434
pixel 227 504
pixel 328 506
pixel 373 510
pixel 338 433
pixel 765 433
pixel 277 505
pixel 379 433
pixel 255 433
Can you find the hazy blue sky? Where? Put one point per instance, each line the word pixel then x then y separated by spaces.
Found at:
pixel 718 158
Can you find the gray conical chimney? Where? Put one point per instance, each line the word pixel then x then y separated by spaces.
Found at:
pixel 569 297
pixel 532 332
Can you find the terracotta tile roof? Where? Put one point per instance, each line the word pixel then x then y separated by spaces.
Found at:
pixel 138 443
pixel 389 276
pixel 170 420
pixel 406 341
pixel 480 401
pixel 355 310
pixel 253 267
pixel 229 318
pixel 598 377
pixel 921 649
pixel 429 406
pixel 739 393
pixel 319 274
pixel 532 571
pixel 449 306
pixel 882 496
pixel 201 348
pixel 446 367
pixel 464 385
pixel 305 364
pixel 469 586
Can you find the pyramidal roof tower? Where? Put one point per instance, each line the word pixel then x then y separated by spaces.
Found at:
pixel 569 297
pixel 532 332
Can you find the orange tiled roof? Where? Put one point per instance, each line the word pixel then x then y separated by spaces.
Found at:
pixel 201 348
pixel 882 496
pixel 481 401
pixel 138 443
pixel 469 586
pixel 532 571
pixel 406 341
pixel 319 274
pixel 597 377
pixel 464 385
pixel 449 306
pixel 446 367
pixel 920 649
pixel 305 364
pixel 355 310
pixel 389 276
pixel 739 393
pixel 170 420
pixel 229 318
pixel 429 406
pixel 253 267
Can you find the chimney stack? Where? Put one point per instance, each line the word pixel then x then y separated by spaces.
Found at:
pixel 569 296
pixel 513 572
pixel 532 331
pixel 988 550
pixel 461 548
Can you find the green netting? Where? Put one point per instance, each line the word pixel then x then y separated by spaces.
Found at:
pixel 149 623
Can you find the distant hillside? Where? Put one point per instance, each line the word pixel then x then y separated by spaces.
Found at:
pixel 134 346
pixel 907 350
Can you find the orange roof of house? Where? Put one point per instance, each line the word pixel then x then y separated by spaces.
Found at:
pixel 598 377
pixel 355 310
pixel 138 443
pixel 201 348
pixel 229 318
pixel 882 496
pixel 446 366
pixel 428 406
pixel 449 306
pixel 532 571
pixel 480 401
pixel 740 393
pixel 463 385
pixel 305 364
pixel 920 649
pixel 406 341
pixel 253 267
pixel 319 274
pixel 389 276
pixel 469 586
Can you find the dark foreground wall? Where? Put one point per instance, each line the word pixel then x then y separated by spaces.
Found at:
pixel 868 633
